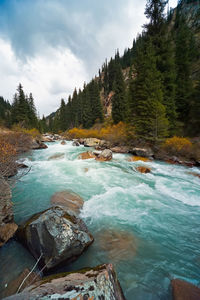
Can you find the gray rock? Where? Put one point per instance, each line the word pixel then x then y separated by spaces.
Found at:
pixel 105 155
pixel 36 145
pixel 56 235
pixel 120 149
pixel 95 283
pixel 145 152
pixel 91 142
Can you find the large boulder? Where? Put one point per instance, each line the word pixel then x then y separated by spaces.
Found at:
pixel 7 225
pixel 145 152
pixel 183 290
pixel 91 142
pixel 68 200
pixel 55 236
pixel 103 145
pixel 95 283
pixel 105 155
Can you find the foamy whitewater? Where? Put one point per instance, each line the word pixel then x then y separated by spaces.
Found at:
pixel 147 225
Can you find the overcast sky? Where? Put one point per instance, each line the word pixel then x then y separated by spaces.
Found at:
pixel 53 46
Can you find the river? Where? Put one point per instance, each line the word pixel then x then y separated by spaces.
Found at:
pixel 147 225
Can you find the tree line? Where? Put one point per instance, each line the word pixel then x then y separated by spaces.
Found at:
pixel 160 98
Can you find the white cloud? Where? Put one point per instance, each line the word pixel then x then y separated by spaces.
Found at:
pixel 50 76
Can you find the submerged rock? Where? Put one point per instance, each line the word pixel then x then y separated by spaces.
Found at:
pixel 118 245
pixel 86 155
pixel 91 284
pixel 143 170
pixel 68 200
pixel 57 156
pixel 56 236
pixel 63 142
pixel 183 290
pixel 7 226
pixel 17 284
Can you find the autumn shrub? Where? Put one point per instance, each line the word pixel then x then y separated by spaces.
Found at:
pixel 117 133
pixel 33 133
pixel 178 146
pixel 7 156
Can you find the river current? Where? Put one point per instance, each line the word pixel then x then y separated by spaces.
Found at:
pixel 147 225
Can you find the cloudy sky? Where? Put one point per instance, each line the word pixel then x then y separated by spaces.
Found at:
pixel 53 46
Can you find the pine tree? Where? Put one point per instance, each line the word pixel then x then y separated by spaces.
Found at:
pixel 194 119
pixel 119 97
pixel 97 111
pixel 149 112
pixel 62 116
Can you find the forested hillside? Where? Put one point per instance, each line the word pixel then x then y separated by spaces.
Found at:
pixel 154 86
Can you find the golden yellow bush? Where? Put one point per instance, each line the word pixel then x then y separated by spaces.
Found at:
pixel 118 133
pixel 178 145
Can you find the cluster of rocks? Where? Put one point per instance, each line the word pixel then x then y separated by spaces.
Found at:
pixel 48 137
pixel 55 237
pixel 104 155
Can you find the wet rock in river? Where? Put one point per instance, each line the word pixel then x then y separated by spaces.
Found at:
pixel 70 201
pixel 105 155
pixel 139 158
pixel 144 170
pixel 95 283
pixel 56 236
pixel 86 155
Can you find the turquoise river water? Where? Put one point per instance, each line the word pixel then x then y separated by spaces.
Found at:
pixel 147 225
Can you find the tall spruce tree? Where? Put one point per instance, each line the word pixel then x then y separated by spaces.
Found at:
pixel 119 97
pixel 149 112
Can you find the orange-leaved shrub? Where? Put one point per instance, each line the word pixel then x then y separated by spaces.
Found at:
pixel 117 133
pixel 178 146
pixel 7 156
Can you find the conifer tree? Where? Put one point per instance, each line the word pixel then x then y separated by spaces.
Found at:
pixel 118 99
pixel 149 112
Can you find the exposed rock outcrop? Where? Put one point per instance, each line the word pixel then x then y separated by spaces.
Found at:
pixel 56 236
pixel 69 201
pixel 7 225
pixel 144 152
pixel 91 284
pixel 183 290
